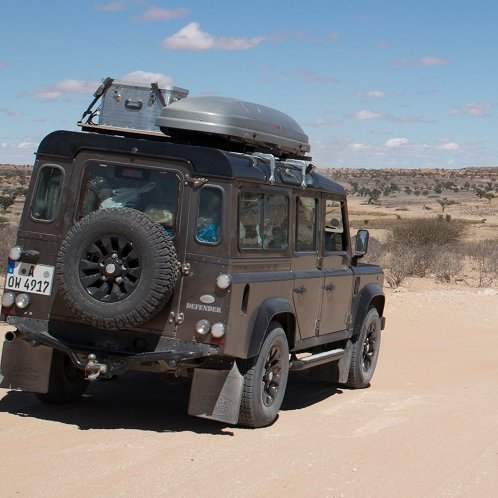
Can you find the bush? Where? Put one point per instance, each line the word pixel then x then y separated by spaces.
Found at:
pixel 446 266
pixel 483 257
pixel 423 232
pixel 418 246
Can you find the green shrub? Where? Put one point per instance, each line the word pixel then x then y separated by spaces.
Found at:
pixel 423 232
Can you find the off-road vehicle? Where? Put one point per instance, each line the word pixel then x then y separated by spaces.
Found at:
pixel 208 248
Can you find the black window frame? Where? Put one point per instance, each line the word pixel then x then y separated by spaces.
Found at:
pixel 263 193
pixel 222 218
pixel 344 233
pixel 316 234
pixel 39 178
pixel 119 168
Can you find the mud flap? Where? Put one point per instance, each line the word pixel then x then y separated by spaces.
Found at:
pixel 25 367
pixel 336 371
pixel 216 394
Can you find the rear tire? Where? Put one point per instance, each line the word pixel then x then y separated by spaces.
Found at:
pixel 265 380
pixel 365 352
pixel 67 382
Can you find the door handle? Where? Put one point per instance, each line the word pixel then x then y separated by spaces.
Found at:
pixel 300 290
pixel 329 288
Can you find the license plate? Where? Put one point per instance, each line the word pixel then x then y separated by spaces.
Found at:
pixel 27 277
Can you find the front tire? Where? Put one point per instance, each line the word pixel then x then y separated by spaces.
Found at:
pixel 265 380
pixel 365 352
pixel 67 382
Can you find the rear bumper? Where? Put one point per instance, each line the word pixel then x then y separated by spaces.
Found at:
pixel 167 349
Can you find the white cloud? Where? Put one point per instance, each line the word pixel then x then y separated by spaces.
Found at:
pixel 146 77
pixel 26 145
pixel 376 94
pixel 373 94
pixel 57 90
pixel 308 76
pixel 449 146
pixel 478 109
pixel 396 142
pixel 426 60
pixel 191 37
pixel 313 38
pixel 160 14
pixel 11 113
pixel 18 151
pixel 359 146
pixel 431 60
pixel 367 115
pixel 111 6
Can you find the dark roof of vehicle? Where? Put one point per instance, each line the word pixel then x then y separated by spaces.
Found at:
pixel 205 161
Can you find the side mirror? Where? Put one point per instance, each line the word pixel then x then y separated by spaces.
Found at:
pixel 361 244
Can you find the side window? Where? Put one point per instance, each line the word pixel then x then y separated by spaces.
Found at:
pixel 306 215
pixel 263 221
pixel 209 215
pixel 334 227
pixel 47 195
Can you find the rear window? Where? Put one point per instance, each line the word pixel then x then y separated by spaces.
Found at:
pixel 155 193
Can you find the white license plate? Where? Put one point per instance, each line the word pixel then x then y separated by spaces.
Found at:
pixel 26 277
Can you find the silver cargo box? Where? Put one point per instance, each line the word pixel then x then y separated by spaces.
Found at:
pixel 135 105
pixel 236 121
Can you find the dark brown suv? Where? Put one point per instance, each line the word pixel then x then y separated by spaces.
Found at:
pixel 215 253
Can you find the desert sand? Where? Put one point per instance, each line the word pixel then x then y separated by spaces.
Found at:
pixel 426 427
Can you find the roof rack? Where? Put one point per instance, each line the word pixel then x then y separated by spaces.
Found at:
pixel 302 166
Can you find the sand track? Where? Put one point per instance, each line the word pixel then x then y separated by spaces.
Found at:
pixel 426 427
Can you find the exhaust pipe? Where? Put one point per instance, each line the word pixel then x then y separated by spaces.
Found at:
pixel 10 336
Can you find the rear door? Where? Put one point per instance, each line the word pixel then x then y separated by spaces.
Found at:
pixel 308 275
pixel 102 181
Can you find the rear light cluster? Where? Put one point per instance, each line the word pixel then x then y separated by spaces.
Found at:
pixel 15 253
pixel 21 301
pixel 9 298
pixel 204 327
pixel 217 330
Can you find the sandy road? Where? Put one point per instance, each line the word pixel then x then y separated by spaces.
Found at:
pixel 428 425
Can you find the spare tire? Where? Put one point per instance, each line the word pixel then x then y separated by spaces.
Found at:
pixel 116 268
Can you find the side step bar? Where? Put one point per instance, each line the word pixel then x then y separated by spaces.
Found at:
pixel 316 359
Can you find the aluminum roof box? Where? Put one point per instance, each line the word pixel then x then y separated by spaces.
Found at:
pixel 235 121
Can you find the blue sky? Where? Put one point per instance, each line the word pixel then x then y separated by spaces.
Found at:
pixel 375 84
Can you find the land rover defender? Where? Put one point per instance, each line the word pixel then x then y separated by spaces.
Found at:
pixel 209 249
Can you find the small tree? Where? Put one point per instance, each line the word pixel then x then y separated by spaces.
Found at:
pixel 444 203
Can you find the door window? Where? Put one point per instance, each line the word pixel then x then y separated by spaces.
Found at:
pixel 333 229
pixel 306 216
